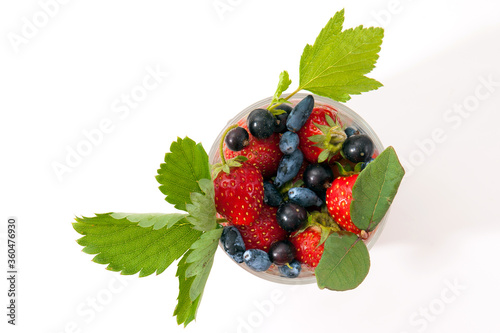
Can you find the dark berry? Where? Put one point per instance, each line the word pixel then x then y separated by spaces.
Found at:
pixel 300 113
pixel 282 118
pixel 304 197
pixel 272 197
pixel 291 270
pixel 260 123
pixel 291 217
pixel 233 243
pixel 282 252
pixel 289 167
pixel 365 164
pixel 358 148
pixel 237 139
pixel 350 131
pixel 285 107
pixel 318 177
pixel 289 142
pixel 257 260
pixel 280 126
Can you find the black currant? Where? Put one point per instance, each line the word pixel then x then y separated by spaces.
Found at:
pixel 291 217
pixel 358 148
pixel 237 139
pixel 261 123
pixel 318 177
pixel 281 252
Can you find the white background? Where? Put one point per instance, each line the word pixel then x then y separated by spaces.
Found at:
pixel 434 269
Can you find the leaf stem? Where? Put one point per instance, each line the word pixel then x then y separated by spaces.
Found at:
pixel 293 93
pixel 221 147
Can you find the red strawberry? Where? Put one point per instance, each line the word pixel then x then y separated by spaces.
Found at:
pixel 306 245
pixel 239 194
pixel 322 136
pixel 338 202
pixel 263 231
pixel 264 154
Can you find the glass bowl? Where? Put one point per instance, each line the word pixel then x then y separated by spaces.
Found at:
pixel 348 118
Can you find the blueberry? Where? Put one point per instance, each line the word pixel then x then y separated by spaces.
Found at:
pixel 365 164
pixel 292 270
pixel 291 217
pixel 300 113
pixel 289 142
pixel 272 197
pixel 304 197
pixel 237 139
pixel 261 123
pixel 233 244
pixel 318 177
pixel 257 260
pixel 358 148
pixel 350 131
pixel 281 252
pixel 289 167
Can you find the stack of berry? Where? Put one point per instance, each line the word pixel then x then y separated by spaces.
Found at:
pixel 285 184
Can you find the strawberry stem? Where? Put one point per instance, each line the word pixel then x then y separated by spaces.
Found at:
pixel 221 147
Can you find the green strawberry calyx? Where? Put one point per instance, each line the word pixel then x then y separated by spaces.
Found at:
pixel 331 139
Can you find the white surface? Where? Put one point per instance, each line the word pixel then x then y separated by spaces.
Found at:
pixel 443 229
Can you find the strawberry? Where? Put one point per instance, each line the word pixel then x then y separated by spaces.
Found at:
pixel 322 136
pixel 264 231
pixel 306 245
pixel 264 154
pixel 338 202
pixel 239 194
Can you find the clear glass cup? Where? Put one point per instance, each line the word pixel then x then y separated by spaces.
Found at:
pixel 348 118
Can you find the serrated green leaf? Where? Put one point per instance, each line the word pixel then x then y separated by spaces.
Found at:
pixel 127 247
pixel 185 309
pixel 283 84
pixel 337 62
pixel 185 165
pixel 344 264
pixel 156 220
pixel 375 189
pixel 202 213
pixel 333 27
pixel 200 261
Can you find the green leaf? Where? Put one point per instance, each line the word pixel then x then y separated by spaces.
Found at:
pixel 202 213
pixel 184 166
pixel 344 264
pixel 157 220
pixel 337 62
pixel 200 260
pixel 127 247
pixel 375 189
pixel 185 309
pixel 283 84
